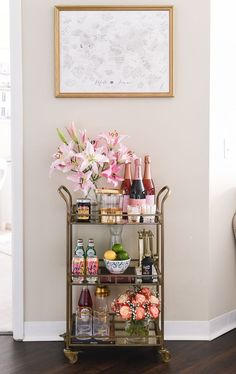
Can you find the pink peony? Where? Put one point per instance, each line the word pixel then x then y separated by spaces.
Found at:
pixel 140 313
pixel 125 312
pixel 139 298
pixel 154 300
pixel 153 310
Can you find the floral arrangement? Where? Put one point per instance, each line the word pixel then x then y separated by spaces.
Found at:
pixel 138 304
pixel 87 160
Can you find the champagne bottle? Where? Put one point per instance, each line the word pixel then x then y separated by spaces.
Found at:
pixel 137 191
pixel 148 182
pixel 125 188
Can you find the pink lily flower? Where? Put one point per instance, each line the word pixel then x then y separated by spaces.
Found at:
pixel 111 174
pixel 112 138
pixel 91 159
pixel 64 158
pixel 82 181
pixel 83 139
pixel 72 132
pixel 124 155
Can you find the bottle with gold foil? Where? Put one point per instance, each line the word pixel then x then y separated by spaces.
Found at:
pixel 148 182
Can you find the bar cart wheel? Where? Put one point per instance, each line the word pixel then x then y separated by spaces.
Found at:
pixel 165 355
pixel 71 355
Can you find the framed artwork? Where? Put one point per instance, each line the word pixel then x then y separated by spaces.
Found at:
pixel 113 51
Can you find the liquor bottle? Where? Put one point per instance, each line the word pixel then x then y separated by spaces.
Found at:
pixel 91 263
pixel 125 188
pixel 85 300
pixel 147 262
pixel 148 182
pixel 84 315
pixel 137 191
pixel 78 262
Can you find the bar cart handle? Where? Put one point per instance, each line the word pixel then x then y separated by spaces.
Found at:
pixel 160 201
pixel 66 195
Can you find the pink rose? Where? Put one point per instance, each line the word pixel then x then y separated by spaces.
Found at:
pixel 140 298
pixel 125 312
pixel 153 310
pixel 140 313
pixel 146 292
pixel 122 299
pixel 154 300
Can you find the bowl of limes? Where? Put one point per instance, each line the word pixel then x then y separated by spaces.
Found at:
pixel 116 260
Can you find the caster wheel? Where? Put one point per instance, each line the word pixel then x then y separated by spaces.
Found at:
pixel 71 355
pixel 165 355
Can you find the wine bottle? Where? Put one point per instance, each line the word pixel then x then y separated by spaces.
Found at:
pixel 137 191
pixel 147 262
pixel 148 182
pixel 125 188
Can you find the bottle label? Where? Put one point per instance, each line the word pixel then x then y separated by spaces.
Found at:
pixel 79 252
pixel 90 252
pixel 92 266
pixel 78 266
pixel 85 314
pixel 147 269
pixel 137 202
pixel 150 199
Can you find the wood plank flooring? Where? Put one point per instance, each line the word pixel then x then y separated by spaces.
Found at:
pixel 216 357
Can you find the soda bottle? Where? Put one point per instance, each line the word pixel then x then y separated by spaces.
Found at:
pixel 78 262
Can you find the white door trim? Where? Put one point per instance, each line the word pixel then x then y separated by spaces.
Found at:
pixel 17 169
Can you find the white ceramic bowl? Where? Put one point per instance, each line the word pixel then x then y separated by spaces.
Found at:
pixel 116 267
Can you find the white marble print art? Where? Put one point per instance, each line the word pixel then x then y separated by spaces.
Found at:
pixel 106 51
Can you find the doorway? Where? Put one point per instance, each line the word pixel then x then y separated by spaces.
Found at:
pixel 5 173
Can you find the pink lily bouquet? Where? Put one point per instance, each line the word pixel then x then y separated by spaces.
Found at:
pixel 87 160
pixel 136 305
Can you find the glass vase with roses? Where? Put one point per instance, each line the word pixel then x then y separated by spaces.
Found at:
pixel 137 307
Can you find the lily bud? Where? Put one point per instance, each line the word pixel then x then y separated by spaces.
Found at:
pixel 61 136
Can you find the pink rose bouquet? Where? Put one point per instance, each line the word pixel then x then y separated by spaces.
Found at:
pixel 87 160
pixel 138 304
pixel 137 307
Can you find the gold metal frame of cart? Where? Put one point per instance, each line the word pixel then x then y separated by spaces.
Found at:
pixel 71 349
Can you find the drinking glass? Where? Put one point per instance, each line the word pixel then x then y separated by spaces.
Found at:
pixel 101 325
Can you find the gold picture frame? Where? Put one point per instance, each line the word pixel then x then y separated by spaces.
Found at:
pixel 113 51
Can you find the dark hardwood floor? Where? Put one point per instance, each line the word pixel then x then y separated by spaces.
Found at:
pixel 216 357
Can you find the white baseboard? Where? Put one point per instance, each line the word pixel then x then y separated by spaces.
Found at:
pixel 44 331
pixel 174 330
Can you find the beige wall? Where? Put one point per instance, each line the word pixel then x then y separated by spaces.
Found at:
pixel 175 133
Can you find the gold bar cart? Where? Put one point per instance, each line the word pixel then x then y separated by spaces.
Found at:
pixel 117 333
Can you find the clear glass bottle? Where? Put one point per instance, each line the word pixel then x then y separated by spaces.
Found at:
pixel 83 327
pixel 101 320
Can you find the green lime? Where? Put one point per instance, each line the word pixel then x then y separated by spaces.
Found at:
pixel 117 247
pixel 122 255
